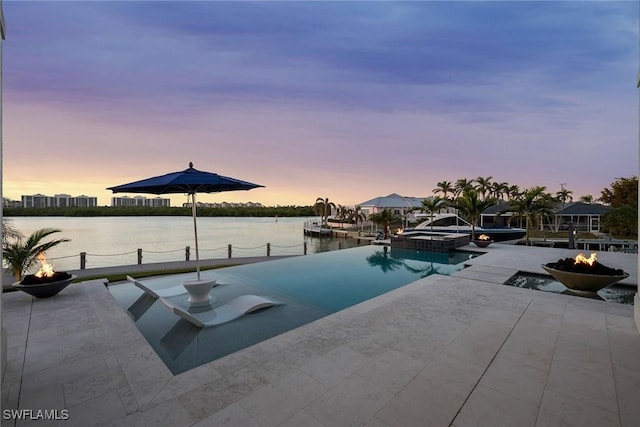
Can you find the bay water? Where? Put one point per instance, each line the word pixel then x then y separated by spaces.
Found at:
pixel 112 241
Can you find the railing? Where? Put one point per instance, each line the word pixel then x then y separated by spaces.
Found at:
pixel 612 245
pixel 139 253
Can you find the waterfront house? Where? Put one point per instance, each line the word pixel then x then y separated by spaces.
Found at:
pixel 498 215
pixel 399 205
pixel 584 216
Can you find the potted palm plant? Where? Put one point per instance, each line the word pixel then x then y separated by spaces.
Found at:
pixel 20 255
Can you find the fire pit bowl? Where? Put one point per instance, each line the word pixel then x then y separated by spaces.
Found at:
pixel 482 241
pixel 584 281
pixel 40 288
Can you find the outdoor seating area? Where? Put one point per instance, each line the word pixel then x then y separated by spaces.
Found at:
pixel 227 312
pixel 161 293
pixel 444 350
pixel 205 315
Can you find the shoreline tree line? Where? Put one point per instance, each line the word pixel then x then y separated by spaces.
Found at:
pixel 281 211
pixel 529 206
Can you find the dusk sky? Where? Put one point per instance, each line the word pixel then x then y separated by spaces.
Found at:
pixel 346 100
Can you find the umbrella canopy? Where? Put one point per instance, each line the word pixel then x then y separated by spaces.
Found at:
pixel 189 181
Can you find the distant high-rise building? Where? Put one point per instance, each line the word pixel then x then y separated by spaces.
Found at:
pixel 58 201
pixel 84 201
pixel 156 202
pixel 8 203
pixel 224 205
pixel 62 200
pixel 37 201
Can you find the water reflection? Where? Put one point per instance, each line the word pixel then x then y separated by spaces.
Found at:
pixel 141 305
pixel 179 338
pixel 326 244
pixel 427 270
pixel 426 263
pixel 382 259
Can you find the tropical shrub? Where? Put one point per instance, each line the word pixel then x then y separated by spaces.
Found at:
pixel 21 255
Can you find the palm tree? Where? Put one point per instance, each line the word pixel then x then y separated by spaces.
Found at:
pixel 513 191
pixel 564 195
pixel 9 232
pixel 433 205
pixel 484 185
pixel 21 255
pixel 342 212
pixel 385 219
pixel 532 204
pixel 318 209
pixel 462 185
pixel 499 190
pixel 471 207
pixel 444 187
pixel 357 216
pixel 323 208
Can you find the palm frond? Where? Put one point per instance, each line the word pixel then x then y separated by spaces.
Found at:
pixel 20 256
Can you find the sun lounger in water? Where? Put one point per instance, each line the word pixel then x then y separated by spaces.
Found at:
pixel 161 293
pixel 235 308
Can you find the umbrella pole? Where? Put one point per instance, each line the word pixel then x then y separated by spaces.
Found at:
pixel 195 232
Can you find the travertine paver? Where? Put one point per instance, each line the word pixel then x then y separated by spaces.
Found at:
pixel 351 402
pixel 627 383
pixel 434 396
pixel 461 350
pixel 490 407
pixel 559 409
pixel 391 370
pixel 515 379
pixel 275 402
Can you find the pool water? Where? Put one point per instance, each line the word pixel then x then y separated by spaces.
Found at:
pixel 620 294
pixel 308 288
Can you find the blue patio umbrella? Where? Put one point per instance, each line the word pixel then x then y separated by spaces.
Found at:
pixel 189 181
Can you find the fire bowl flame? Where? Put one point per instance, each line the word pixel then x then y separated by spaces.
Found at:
pixel 482 241
pixel 46 282
pixel 46 286
pixel 584 274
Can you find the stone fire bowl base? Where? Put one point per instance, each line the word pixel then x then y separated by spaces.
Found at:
pixel 482 243
pixel 45 290
pixel 583 282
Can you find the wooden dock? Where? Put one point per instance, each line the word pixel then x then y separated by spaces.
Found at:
pixel 313 229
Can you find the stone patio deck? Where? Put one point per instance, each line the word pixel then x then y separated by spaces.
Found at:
pixel 462 350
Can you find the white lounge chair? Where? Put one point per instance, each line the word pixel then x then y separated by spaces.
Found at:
pixel 161 293
pixel 235 308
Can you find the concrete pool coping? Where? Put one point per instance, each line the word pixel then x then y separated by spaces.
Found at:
pixel 444 350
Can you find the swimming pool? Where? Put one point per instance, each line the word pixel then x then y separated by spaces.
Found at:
pixel 308 288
